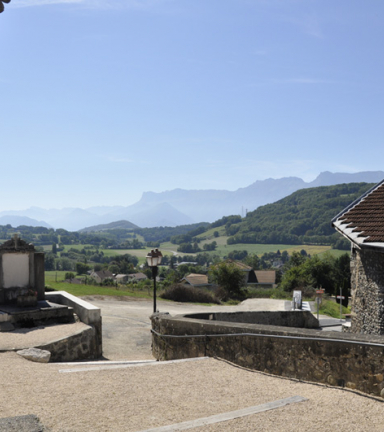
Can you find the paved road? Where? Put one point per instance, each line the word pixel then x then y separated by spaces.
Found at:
pixel 126 324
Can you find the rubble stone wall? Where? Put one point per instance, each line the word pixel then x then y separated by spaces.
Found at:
pixel 367 289
pixel 339 359
pixel 80 346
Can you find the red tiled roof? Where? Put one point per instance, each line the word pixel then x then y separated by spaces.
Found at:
pixel 363 222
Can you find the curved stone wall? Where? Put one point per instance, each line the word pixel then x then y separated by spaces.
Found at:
pixel 355 361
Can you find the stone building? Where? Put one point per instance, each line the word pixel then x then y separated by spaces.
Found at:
pixel 362 222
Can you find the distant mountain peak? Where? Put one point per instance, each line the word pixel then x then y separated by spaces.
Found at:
pixel 182 207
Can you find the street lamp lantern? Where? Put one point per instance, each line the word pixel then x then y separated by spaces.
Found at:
pixel 154 260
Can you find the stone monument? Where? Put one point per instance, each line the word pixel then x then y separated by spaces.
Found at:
pixel 21 272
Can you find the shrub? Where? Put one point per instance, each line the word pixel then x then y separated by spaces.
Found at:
pixel 230 277
pixel 221 294
pixel 182 293
pixel 69 275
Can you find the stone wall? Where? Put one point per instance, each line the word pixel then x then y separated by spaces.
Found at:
pixel 367 289
pixel 87 313
pixel 80 346
pixel 300 319
pixel 354 361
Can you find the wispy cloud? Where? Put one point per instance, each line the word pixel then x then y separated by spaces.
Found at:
pixel 96 4
pixel 301 80
pixel 308 24
pixel 119 159
pixel 259 52
pixel 293 81
pixel 311 26
pixel 31 3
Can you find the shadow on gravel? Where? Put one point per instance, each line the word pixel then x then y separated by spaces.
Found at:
pixel 27 423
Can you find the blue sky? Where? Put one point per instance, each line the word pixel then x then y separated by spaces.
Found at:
pixel 102 100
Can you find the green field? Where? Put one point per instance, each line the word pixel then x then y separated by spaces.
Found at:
pixel 55 280
pixel 259 249
pixel 168 248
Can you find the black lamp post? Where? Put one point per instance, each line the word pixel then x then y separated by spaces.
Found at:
pixel 154 260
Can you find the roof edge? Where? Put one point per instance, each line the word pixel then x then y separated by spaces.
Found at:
pixel 356 201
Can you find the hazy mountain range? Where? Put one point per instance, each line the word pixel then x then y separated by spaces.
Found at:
pixel 179 206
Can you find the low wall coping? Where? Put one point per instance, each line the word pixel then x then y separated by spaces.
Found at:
pixel 190 326
pixel 88 313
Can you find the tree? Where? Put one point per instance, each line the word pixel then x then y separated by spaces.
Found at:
pixel 81 268
pixel 113 268
pixel 64 264
pixel 342 269
pixel 328 272
pixel 229 277
pixel 238 255
pixel 2 5
pixel 252 261
pixel 49 262
pixel 69 275
pixel 210 246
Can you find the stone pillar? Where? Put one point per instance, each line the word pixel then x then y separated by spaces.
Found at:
pixel 39 275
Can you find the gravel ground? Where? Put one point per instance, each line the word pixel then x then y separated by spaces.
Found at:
pixel 135 399
pixel 138 398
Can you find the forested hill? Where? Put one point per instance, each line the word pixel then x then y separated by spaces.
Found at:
pixel 301 218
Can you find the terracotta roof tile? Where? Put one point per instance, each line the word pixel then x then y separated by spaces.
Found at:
pixel 366 217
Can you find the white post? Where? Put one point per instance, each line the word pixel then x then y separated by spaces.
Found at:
pixel 318 307
pixel 341 304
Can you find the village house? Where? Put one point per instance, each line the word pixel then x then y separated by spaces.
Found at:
pixel 196 280
pixel 136 277
pixel 362 223
pixel 101 275
pixel 121 278
pixel 259 278
pixel 249 274
pixel 265 278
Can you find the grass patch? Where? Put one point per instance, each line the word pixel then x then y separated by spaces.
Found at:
pixel 272 293
pixel 259 249
pixel 55 280
pixel 332 309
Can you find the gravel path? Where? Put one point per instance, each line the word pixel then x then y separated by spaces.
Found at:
pixel 135 399
pixel 138 398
